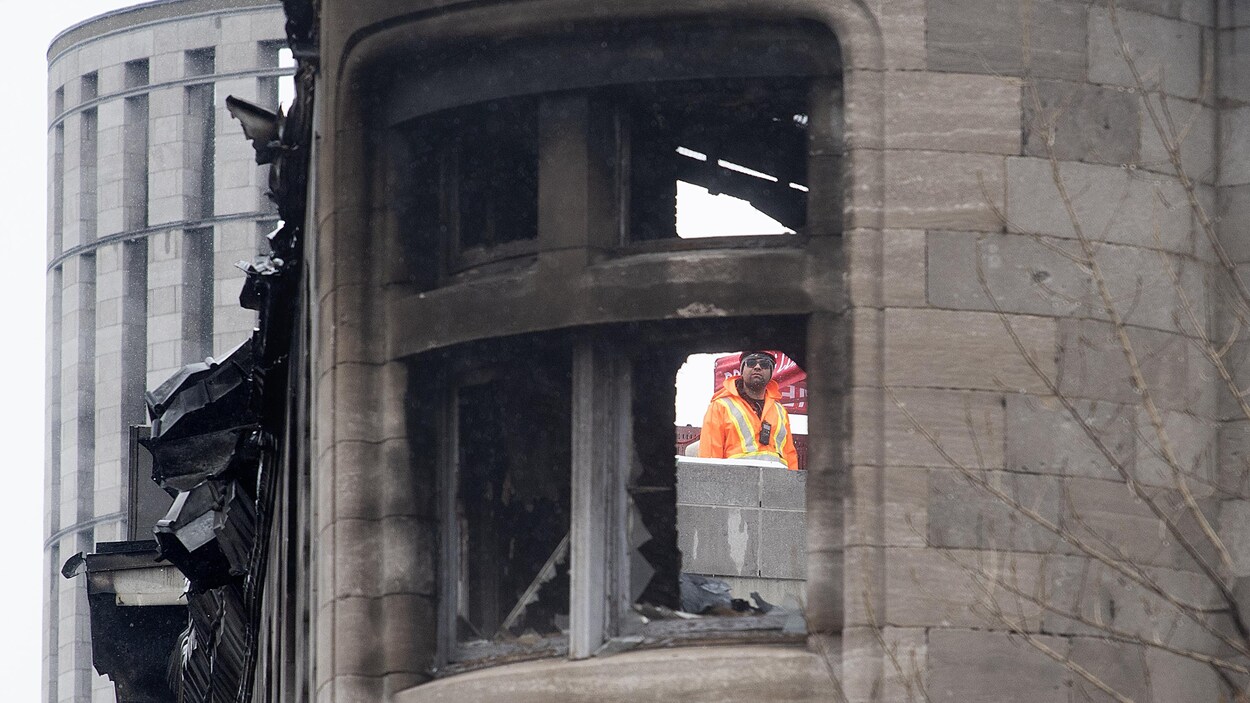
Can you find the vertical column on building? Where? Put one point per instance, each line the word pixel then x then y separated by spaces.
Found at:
pixel 52 430
pixel 107 499
pixel 77 465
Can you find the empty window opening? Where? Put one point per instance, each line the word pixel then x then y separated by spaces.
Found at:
pixel 741 522
pixel 197 295
pixel 201 147
pixel 474 175
pixel 136 73
pixel 135 161
pixel 512 507
pixel 276 92
pixel 89 88
pixel 200 62
pixel 286 83
pixel 714 159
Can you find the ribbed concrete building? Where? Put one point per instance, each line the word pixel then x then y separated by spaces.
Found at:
pixel 153 196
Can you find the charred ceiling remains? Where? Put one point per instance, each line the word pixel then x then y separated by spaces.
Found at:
pixel 191 634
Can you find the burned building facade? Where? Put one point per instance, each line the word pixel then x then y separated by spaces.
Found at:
pixel 1006 256
pixel 152 200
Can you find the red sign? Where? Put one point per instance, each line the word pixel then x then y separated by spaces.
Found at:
pixel 789 377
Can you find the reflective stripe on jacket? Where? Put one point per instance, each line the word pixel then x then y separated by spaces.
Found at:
pixel 731 429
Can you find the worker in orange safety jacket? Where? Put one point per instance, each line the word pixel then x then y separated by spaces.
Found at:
pixel 745 419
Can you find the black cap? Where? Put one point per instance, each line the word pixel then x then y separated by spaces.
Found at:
pixel 747 354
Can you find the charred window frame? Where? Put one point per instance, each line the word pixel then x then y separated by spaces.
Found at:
pixel 556 490
pixel 488 139
pixel 590 124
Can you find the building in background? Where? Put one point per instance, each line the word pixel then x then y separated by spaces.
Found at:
pixel 153 197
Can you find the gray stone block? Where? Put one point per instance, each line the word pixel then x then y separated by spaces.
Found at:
pixel 1234 54
pixel 952 112
pixel 1167 52
pixel 986 36
pixel 1192 131
pixel 990 667
pixel 1234 221
pixel 1180 679
pixel 782 488
pixel 1235 146
pixel 719 540
pixel 967 425
pixel 1024 274
pixel 1092 365
pixel 1044 437
pixel 944 190
pixel 1192 443
pixel 1120 665
pixel 1089 123
pixel 950 349
pixel 783 544
pixel 1234 530
pixel 718 485
pixel 1111 204
pixel 963 515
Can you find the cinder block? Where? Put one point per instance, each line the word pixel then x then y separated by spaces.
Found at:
pixel 985 36
pixel 782 544
pixel 952 112
pixel 779 488
pixel 1023 274
pixel 943 190
pixel 947 349
pixel 719 540
pixel 1044 437
pixel 1167 52
pixel 983 667
pixel 963 515
pixel 1088 123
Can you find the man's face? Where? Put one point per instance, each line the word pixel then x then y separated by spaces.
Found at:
pixel 757 371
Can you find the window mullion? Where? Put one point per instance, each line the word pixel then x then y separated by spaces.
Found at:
pixel 597 497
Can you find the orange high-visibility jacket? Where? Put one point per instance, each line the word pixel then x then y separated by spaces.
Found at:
pixel 731 429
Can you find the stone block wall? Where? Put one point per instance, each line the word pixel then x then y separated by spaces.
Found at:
pixel 745 525
pixel 1036 231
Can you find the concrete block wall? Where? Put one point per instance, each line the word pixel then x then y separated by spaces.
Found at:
pixel 997 352
pixel 116 284
pixel 745 525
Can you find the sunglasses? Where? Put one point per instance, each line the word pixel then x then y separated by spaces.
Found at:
pixel 758 362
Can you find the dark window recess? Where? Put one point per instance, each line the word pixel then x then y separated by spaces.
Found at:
pixel 496 171
pixel 745 139
pixel 514 483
